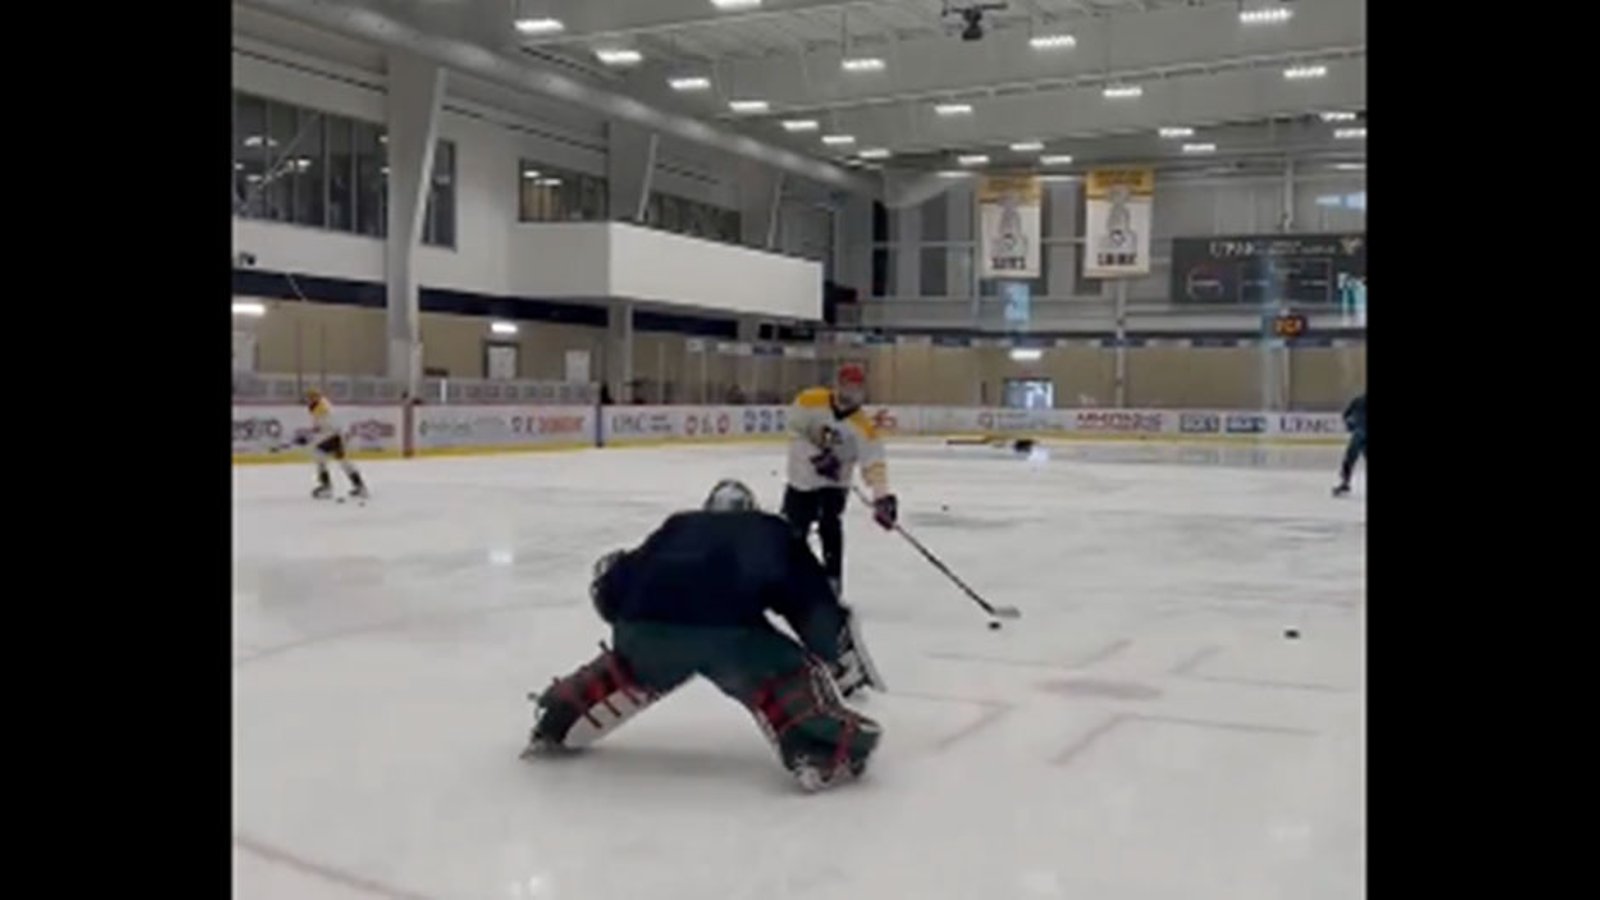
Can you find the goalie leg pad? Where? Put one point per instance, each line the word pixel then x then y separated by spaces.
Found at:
pixel 819 739
pixel 855 669
pixel 588 704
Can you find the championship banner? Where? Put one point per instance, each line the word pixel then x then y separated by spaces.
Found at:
pixel 1009 225
pixel 1118 222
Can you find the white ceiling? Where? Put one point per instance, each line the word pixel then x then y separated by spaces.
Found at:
pixel 1196 63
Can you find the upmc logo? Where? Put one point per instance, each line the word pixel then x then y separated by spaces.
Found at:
pixel 1246 424
pixel 1119 421
pixel 641 423
pixel 1199 423
pixel 1292 424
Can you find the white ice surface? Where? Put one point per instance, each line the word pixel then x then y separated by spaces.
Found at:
pixel 1144 731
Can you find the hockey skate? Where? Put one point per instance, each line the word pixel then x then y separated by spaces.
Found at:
pixel 359 492
pixel 1341 489
pixel 322 492
pixel 813 777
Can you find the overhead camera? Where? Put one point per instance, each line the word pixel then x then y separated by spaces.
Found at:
pixel 971 17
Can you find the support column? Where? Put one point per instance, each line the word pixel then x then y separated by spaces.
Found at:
pixel 416 87
pixel 619 350
pixel 630 169
pixel 1286 221
pixel 760 188
pixel 1121 294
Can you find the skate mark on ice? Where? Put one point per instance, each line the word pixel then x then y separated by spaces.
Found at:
pixel 396 625
pixel 327 873
pixel 993 711
pixel 1188 668
pixel 1093 657
pixel 1093 735
pixel 1110 690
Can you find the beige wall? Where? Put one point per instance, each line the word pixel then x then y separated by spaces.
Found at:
pixel 316 339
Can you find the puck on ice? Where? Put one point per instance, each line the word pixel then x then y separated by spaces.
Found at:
pixel 1291 633
pixel 943 508
pixel 994 625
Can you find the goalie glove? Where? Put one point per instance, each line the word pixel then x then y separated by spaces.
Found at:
pixel 886 511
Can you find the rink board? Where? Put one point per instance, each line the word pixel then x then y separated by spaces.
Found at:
pixel 387 431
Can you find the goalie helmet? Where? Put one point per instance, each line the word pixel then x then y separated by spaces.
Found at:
pixel 730 495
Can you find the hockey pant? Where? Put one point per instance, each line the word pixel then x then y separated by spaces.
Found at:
pixel 1356 449
pixel 789 691
pixel 333 448
pixel 824 507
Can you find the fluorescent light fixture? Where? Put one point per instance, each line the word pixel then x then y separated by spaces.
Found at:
pixel 864 64
pixel 1055 159
pixel 539 26
pixel 238 167
pixel 691 83
pixel 503 327
pixel 1027 146
pixel 249 308
pixel 253 177
pixel 953 109
pixel 749 106
pixel 618 56
pixel 1026 354
pixel 1299 73
pixel 874 153
pixel 735 4
pixel 1338 116
pixel 530 173
pixel 1270 15
pixel 1122 91
pixel 1199 148
pixel 800 125
pixel 548 182
pixel 973 159
pixel 838 140
pixel 256 140
pixel 1052 41
pixel 950 173
pixel 1176 131
pixel 1350 134
pixel 1350 167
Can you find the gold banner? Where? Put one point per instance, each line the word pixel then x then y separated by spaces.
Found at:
pixel 1139 182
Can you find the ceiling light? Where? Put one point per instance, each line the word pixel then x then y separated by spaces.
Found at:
pixel 548 182
pixel 1058 159
pixel 799 124
pixel 953 109
pixel 1199 148
pixel 1350 167
pixel 1335 116
pixel 539 26
pixel 863 64
pixel 749 106
pixel 838 140
pixel 1028 146
pixel 973 159
pixel 1298 73
pixel 1177 131
pixel 530 173
pixel 949 173
pixel 874 153
pixel 256 140
pixel 692 83
pixel 1122 91
pixel 1027 354
pixel 618 56
pixel 735 4
pixel 249 308
pixel 1271 15
pixel 503 327
pixel 1346 134
pixel 1052 41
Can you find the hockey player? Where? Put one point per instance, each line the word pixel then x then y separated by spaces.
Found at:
pixel 692 600
pixel 326 441
pixel 1355 420
pixel 829 437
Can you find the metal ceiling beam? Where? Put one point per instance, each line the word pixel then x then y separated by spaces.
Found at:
pixel 586 20
pixel 474 59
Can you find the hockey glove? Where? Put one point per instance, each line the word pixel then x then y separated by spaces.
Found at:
pixel 886 511
pixel 827 465
pixel 301 440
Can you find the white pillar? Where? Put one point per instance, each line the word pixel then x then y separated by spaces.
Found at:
pixel 416 87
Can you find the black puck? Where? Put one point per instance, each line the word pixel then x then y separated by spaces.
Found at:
pixel 994 625
pixel 1291 633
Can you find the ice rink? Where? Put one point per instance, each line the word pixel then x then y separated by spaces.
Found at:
pixel 1145 731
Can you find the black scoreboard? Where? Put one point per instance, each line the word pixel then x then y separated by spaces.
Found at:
pixel 1267 269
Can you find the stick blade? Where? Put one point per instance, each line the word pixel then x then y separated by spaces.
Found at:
pixel 1006 612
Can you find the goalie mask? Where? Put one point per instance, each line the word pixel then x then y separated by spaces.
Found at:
pixel 730 496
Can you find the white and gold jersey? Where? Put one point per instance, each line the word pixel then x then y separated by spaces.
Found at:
pixel 324 423
pixel 815 426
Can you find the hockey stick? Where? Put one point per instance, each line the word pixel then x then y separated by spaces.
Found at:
pixel 999 612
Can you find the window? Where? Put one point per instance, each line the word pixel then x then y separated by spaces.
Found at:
pixel 308 167
pixel 683 216
pixel 552 194
pixel 935 268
